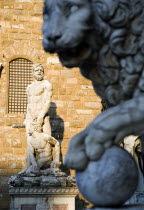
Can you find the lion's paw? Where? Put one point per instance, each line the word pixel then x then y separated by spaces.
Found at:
pixel 95 144
pixel 87 146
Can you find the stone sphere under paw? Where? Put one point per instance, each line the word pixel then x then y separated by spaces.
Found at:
pixel 111 180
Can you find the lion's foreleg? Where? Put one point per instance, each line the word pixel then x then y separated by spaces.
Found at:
pixel 110 127
pixel 113 125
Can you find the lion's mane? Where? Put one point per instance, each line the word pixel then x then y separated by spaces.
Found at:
pixel 120 24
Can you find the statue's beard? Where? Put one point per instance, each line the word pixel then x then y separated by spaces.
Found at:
pixel 39 77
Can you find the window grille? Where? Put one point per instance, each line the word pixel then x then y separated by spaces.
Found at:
pixel 20 76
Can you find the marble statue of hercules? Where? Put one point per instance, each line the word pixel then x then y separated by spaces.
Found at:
pixel 39 98
pixel 43 150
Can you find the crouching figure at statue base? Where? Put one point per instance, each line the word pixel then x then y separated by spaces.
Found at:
pixel 43 150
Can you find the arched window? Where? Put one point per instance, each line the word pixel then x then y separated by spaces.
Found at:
pixel 20 76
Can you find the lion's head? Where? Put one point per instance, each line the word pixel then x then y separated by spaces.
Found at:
pixel 67 30
pixel 78 29
pixel 102 37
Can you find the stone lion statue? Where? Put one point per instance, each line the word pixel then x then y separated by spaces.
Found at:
pixel 105 39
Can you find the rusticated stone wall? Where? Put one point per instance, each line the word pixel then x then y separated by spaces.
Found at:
pixel 74 103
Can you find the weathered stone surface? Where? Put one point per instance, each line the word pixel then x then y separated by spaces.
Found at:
pixel 111 180
pixel 53 177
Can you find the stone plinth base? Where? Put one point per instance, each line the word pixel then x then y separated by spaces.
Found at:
pixel 37 198
pixel 126 207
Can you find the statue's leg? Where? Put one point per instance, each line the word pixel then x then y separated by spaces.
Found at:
pixel 44 162
pixel 46 125
pixel 32 164
pixel 28 159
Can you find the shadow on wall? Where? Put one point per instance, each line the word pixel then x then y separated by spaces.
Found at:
pixel 57 127
pixel 1 68
pixel 56 122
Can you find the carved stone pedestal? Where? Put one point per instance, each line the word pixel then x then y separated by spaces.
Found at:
pixel 126 207
pixel 37 198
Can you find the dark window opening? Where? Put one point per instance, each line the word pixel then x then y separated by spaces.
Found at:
pixel 20 76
